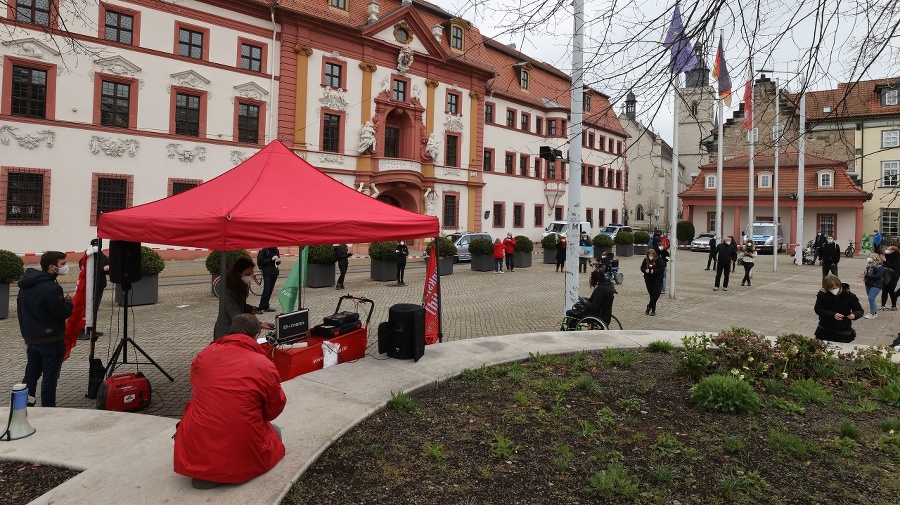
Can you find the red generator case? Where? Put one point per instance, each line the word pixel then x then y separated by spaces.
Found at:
pixel 124 392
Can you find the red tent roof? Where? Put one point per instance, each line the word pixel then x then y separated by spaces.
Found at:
pixel 273 198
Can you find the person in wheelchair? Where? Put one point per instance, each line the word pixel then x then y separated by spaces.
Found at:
pixel 601 301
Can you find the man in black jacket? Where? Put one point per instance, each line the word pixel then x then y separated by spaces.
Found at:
pixel 43 308
pixel 819 241
pixel 726 252
pixel 268 259
pixel 829 256
pixel 712 253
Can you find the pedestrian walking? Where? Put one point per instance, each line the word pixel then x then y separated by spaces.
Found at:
pixel 748 252
pixel 889 290
pixel 561 254
pixel 726 254
pixel 662 253
pixel 509 246
pixel 499 253
pixel 712 253
pixel 837 308
pixel 819 241
pixel 402 252
pixel 874 280
pixel 654 271
pixel 829 256
pixel 877 239
pixel 343 260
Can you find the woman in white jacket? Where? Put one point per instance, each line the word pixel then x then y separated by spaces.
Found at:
pixel 748 252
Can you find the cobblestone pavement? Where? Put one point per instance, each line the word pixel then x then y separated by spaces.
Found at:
pixel 475 304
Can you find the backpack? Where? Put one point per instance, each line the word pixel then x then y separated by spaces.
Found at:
pixel 888 274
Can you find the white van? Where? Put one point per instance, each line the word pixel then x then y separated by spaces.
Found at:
pixel 766 234
pixel 562 227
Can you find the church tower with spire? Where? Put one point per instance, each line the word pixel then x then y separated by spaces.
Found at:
pixel 695 114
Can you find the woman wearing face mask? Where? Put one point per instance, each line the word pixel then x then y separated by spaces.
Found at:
pixel 747 255
pixel 873 277
pixel 237 288
pixel 836 307
pixel 892 261
pixel 654 270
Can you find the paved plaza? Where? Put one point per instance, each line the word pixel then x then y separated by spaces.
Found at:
pixel 475 304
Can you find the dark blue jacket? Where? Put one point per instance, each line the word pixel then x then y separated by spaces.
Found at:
pixel 42 308
pixel 265 262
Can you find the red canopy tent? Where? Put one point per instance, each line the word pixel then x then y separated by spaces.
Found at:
pixel 273 198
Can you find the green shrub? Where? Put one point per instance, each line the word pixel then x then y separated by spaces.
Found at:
pixel 661 346
pixel 696 358
pixel 801 356
pixel 481 246
pixel 11 267
pixel 446 247
pixel 684 231
pixel 889 393
pixel 721 393
pixel 523 244
pixel 849 430
pixel 549 242
pixel 641 237
pixel 322 255
pixel 212 261
pixel 781 440
pixel 151 262
pixel 874 364
pixel 602 241
pixel 614 481
pixel 889 424
pixel 402 401
pixel 624 237
pixel 383 250
pixel 809 391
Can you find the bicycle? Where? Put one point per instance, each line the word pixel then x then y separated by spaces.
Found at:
pixel 255 283
pixel 851 248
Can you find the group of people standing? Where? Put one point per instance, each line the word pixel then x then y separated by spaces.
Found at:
pixel 505 250
pixel 726 255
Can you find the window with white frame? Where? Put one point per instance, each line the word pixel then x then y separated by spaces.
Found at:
pixel 826 179
pixel 889 96
pixel 890 222
pixel 764 180
pixel 890 173
pixel 710 182
pixel 639 213
pixel 753 135
pixel 890 138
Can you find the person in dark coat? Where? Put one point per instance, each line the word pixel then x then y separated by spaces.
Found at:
pixel 829 256
pixel 712 253
pixel 837 308
pixel 237 289
pixel 268 260
pixel 402 252
pixel 654 270
pixel 561 254
pixel 601 300
pixel 43 308
pixel 818 242
pixel 343 260
pixel 726 252
pixel 892 261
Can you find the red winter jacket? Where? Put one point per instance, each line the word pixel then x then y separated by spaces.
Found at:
pixel 510 245
pixel 225 435
pixel 499 249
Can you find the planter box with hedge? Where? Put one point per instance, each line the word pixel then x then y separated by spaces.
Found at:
pixel 446 254
pixel 11 270
pixel 522 256
pixel 548 244
pixel 383 264
pixel 320 266
pixel 624 244
pixel 482 251
pixel 641 240
pixel 602 243
pixel 213 266
pixel 146 290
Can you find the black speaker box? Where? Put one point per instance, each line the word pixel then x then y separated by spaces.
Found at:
pixel 124 261
pixel 403 335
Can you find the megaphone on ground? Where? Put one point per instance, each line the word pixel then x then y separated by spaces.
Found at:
pixel 17 425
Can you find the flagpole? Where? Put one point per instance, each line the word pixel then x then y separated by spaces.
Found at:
pixel 577 116
pixel 719 159
pixel 673 203
pixel 750 173
pixel 801 174
pixel 777 134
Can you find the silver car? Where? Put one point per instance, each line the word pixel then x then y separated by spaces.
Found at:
pixel 462 241
pixel 701 243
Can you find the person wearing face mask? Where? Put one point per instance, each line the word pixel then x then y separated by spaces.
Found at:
pixel 829 256
pixel 892 261
pixel 837 308
pixel 654 270
pixel 402 252
pixel 726 252
pixel 237 289
pixel 874 280
pixel 747 254
pixel 43 308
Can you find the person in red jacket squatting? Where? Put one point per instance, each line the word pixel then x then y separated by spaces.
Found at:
pixel 226 435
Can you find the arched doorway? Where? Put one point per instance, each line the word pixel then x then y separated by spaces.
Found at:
pixel 390 200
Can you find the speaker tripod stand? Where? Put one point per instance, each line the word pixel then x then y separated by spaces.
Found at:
pixel 122 348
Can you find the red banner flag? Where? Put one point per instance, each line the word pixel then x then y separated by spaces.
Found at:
pixel 431 300
pixel 748 105
pixel 75 322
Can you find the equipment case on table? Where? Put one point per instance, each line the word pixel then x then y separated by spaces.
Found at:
pixel 300 360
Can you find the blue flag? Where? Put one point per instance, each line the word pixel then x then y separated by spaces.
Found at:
pixel 682 58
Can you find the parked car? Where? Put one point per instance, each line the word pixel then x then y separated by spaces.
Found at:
pixel 613 228
pixel 767 235
pixel 701 242
pixel 558 228
pixel 461 240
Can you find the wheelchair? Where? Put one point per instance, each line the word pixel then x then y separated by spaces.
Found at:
pixel 612 268
pixel 585 320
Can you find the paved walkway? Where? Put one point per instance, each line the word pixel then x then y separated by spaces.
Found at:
pixel 127 457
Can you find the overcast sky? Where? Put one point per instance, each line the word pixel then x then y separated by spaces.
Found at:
pixel 623 43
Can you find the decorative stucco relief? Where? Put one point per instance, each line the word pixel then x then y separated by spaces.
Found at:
pixel 185 155
pixel 28 141
pixel 114 147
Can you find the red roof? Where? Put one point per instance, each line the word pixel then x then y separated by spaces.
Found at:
pixel 859 99
pixel 735 172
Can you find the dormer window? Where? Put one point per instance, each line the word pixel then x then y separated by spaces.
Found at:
pixel 889 96
pixel 710 182
pixel 456 33
pixel 586 100
pixel 826 178
pixel 764 180
pixel 523 71
pixel 456 38
pixel 338 4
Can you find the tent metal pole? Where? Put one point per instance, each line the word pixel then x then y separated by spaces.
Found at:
pixel 437 252
pixel 223 270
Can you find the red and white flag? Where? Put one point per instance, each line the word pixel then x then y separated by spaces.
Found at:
pixel 431 300
pixel 82 302
pixel 748 105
